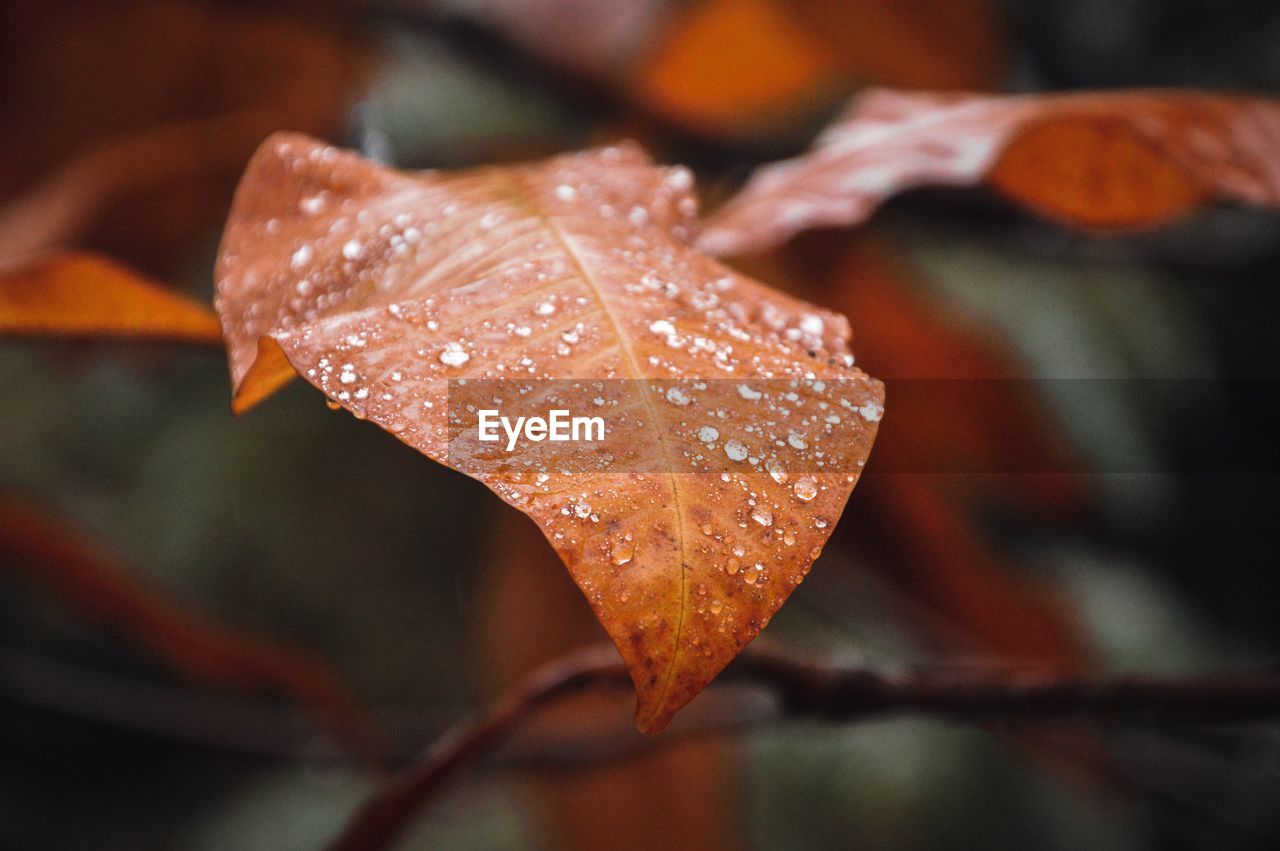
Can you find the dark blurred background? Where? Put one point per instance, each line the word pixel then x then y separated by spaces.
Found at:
pixel 1149 360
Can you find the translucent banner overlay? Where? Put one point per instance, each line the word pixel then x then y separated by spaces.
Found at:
pixel 810 426
pixel 594 426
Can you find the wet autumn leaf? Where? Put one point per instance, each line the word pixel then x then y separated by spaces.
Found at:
pixel 386 289
pixel 1098 160
pixel 82 295
pixel 44 550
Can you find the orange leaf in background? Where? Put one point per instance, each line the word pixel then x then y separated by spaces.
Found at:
pixel 726 66
pixel 958 395
pixel 925 44
pixel 1098 160
pixel 752 67
pixel 43 550
pixel 965 402
pixel 986 607
pixel 82 295
pixel 127 122
pixel 381 287
pixel 66 205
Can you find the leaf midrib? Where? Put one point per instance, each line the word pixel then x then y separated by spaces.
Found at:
pixel 524 199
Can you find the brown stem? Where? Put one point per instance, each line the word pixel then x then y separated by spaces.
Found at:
pixel 821 690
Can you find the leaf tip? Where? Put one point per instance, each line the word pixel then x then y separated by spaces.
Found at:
pixel 270 371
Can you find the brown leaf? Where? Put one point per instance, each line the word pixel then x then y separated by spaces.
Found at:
pixel 128 121
pixel 44 550
pixel 82 295
pixel 380 287
pixel 1097 160
pixel 66 205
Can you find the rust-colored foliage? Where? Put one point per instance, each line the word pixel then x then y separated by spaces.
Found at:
pixel 83 295
pixel 918 517
pixel 380 287
pixel 735 65
pixel 735 68
pixel 42 549
pixel 127 122
pixel 1099 160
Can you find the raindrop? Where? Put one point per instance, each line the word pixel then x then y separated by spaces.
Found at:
pixel 762 515
pixel 622 550
pixel 735 450
pixel 716 607
pixel 676 396
pixel 797 441
pixel 707 434
pixel 733 566
pixel 453 355
pixel 806 488
pixel 680 178
pixel 811 323
pixel 300 258
pixel 777 470
pixel 545 308
pixel 352 249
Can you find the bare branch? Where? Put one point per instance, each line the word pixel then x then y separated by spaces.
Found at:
pixel 816 689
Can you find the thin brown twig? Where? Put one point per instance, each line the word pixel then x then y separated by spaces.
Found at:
pixel 814 689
